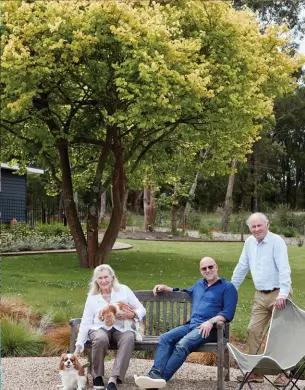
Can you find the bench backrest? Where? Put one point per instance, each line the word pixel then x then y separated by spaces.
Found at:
pixel 164 311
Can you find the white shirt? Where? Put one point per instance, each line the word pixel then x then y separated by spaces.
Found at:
pixel 268 263
pixel 95 303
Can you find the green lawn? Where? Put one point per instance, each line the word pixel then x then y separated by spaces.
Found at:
pixel 56 284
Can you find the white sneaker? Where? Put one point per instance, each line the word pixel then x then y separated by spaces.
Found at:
pixel 145 382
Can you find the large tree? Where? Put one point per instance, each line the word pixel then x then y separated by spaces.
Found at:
pixel 90 87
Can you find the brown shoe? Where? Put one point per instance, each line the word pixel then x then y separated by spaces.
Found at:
pixel 256 378
pixel 281 380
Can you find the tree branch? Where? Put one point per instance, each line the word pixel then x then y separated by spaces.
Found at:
pixel 86 140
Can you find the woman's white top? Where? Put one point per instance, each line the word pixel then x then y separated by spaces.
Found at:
pixel 95 303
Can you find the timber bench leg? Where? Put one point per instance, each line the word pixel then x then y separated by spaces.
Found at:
pixel 227 365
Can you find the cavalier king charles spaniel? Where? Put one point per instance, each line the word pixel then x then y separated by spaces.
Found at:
pixel 72 373
pixel 108 315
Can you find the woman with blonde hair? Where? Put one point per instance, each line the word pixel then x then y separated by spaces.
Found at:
pixel 105 289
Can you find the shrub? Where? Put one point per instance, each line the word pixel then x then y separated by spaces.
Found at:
pixel 54 229
pixel 35 241
pixel 19 339
pixel 193 220
pixel 236 223
pixel 16 309
pixel 57 340
pixel 135 220
pixel 19 229
pixel 288 232
pixel 206 232
pixel 179 233
pixel 284 218
pixel 275 229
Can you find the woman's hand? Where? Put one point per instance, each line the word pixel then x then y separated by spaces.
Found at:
pixel 77 351
pixel 125 315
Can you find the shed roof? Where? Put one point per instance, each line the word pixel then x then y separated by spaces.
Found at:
pixel 16 168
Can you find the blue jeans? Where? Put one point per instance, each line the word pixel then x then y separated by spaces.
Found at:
pixel 174 347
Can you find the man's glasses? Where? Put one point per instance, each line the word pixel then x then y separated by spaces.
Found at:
pixel 210 267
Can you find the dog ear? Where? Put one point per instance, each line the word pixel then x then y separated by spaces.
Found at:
pixel 101 315
pixel 77 364
pixel 113 309
pixel 81 371
pixel 61 363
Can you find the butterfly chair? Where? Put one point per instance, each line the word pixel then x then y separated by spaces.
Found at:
pixel 285 347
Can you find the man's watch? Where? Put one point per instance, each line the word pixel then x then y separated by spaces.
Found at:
pixel 212 322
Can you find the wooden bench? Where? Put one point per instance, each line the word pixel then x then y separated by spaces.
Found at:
pixel 164 312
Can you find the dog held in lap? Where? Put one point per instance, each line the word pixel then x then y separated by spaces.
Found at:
pixel 109 313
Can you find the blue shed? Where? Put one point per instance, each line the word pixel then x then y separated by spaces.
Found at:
pixel 13 193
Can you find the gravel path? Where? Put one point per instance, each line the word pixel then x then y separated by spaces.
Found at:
pixel 40 373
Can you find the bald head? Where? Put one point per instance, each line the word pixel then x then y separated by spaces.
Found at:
pixel 208 269
pixel 210 260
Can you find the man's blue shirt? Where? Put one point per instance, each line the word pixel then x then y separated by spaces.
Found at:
pixel 207 302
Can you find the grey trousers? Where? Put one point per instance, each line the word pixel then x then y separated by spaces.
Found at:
pixel 100 343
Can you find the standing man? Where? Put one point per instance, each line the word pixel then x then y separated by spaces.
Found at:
pixel 214 299
pixel 265 255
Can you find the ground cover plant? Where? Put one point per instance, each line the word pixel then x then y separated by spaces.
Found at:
pixel 55 283
pixel 22 237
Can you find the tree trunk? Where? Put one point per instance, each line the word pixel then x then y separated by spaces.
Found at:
pixel 137 201
pixel 124 215
pixel 103 207
pixel 70 206
pixel 187 208
pixel 149 205
pixel 254 196
pixel 228 206
pixel 75 197
pixel 118 191
pixel 92 230
pixel 174 218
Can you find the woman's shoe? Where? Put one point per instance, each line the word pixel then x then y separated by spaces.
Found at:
pixel 111 386
pixel 98 383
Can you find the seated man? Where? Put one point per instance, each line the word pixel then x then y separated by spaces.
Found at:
pixel 214 299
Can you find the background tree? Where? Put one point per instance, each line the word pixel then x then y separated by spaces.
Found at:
pixel 90 87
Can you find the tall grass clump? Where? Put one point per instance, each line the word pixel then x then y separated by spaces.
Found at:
pixel 16 309
pixel 57 340
pixel 19 339
pixel 22 331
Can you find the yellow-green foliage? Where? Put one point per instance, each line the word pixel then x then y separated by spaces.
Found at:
pixel 199 70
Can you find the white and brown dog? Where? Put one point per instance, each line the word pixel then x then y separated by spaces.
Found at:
pixel 108 315
pixel 72 373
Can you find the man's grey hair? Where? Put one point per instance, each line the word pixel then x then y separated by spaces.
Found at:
pixel 257 215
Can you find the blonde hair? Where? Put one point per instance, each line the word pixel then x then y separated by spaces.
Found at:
pixel 94 287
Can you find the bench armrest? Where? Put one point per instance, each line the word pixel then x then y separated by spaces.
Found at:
pixel 73 336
